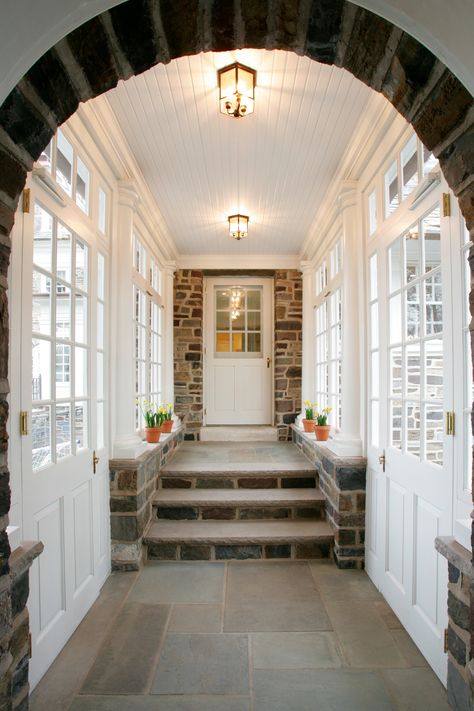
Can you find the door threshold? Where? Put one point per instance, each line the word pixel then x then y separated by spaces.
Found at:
pixel 239 433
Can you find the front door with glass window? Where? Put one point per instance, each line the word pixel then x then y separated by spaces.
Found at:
pixel 238 351
pixel 64 500
pixel 410 456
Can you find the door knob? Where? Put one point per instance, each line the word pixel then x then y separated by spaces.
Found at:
pixel 95 461
pixel 382 461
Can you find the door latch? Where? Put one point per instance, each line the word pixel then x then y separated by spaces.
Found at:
pixel 95 461
pixel 382 460
pixel 269 360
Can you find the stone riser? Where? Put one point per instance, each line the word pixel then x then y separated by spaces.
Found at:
pixel 277 551
pixel 224 481
pixel 231 513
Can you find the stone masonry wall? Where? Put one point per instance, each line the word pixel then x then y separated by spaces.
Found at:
pixel 343 483
pixel 188 350
pixel 288 349
pixel 460 581
pixel 133 483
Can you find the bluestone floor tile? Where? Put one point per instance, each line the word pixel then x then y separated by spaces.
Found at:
pixel 364 639
pixel 343 584
pixel 270 582
pixel 73 664
pixel 162 703
pixel 295 650
pixel 321 690
pixel 416 689
pixel 196 618
pixel 408 648
pixel 203 664
pixel 127 657
pixel 180 583
pixel 276 617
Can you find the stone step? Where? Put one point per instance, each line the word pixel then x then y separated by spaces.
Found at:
pixel 212 540
pixel 238 433
pixel 233 475
pixel 238 504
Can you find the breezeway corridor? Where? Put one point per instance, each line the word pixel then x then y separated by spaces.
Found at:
pixel 240 636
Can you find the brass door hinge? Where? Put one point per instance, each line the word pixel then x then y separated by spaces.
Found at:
pixel 445 646
pixel 23 423
pixel 25 200
pixel 450 423
pixel 446 205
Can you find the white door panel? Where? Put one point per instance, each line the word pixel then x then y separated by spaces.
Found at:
pixel 410 388
pixel 64 504
pixel 238 351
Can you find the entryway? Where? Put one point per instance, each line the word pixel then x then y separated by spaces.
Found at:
pixel 266 636
pixel 238 362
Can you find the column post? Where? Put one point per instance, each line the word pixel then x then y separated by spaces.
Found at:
pixel 168 327
pixel 307 381
pixel 127 444
pixel 348 441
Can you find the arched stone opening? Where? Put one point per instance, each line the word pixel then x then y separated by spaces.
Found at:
pixel 138 34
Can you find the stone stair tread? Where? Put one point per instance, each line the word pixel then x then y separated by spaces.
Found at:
pixel 237 497
pixel 202 469
pixel 236 532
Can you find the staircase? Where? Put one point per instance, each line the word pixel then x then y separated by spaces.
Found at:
pixel 220 501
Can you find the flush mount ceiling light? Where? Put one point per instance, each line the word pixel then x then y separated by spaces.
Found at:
pixel 238 226
pixel 236 90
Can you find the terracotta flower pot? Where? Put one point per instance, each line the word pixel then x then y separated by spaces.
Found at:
pixel 152 434
pixel 167 426
pixel 322 432
pixel 308 425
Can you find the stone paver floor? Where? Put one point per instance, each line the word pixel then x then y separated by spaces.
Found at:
pixel 198 453
pixel 240 636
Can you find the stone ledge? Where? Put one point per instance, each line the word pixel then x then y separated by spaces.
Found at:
pixel 23 556
pixel 455 553
pixel 151 451
pixel 322 450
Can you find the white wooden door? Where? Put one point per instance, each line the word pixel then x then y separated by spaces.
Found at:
pixel 238 351
pixel 63 390
pixel 410 497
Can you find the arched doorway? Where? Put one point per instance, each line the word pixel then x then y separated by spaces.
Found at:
pixel 129 39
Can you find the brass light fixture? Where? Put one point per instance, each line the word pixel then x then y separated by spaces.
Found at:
pixel 238 226
pixel 236 90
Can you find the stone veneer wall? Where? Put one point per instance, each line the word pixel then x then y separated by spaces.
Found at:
pixel 460 583
pixel 188 350
pixel 133 483
pixel 343 482
pixel 15 688
pixel 288 349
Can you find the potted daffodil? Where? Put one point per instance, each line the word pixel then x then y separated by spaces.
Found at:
pixel 167 425
pixel 153 417
pixel 308 421
pixel 321 427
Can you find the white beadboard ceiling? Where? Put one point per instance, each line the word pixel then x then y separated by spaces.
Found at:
pixel 274 165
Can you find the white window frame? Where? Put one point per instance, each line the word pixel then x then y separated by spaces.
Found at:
pixel 327 322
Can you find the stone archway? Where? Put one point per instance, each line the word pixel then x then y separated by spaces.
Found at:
pixel 137 34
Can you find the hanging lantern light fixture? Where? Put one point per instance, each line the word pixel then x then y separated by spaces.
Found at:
pixel 238 226
pixel 236 90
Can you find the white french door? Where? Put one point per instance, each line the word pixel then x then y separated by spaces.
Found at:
pixel 64 494
pixel 410 363
pixel 238 351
